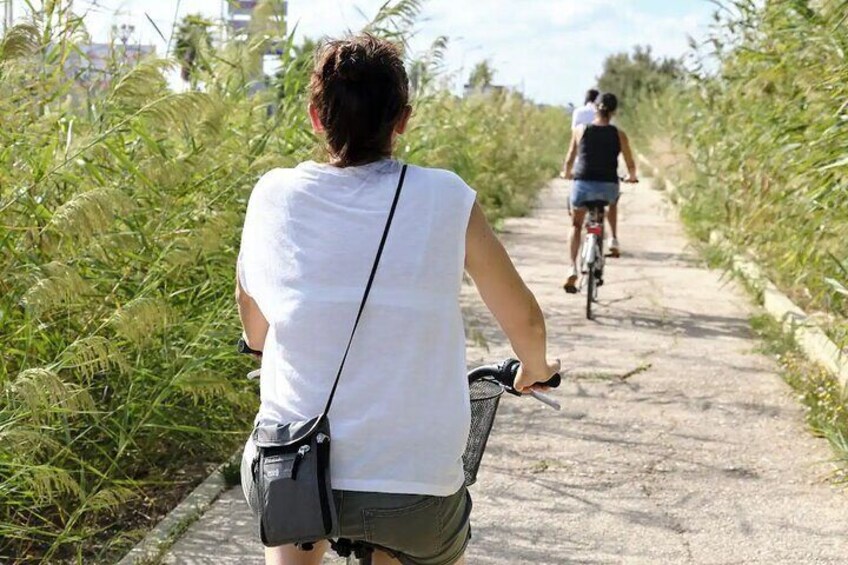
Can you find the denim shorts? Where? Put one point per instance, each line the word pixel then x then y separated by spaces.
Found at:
pixel 415 529
pixel 583 191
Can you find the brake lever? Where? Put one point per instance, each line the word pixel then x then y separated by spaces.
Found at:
pixel 545 399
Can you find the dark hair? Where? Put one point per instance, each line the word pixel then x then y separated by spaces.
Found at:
pixel 360 90
pixel 608 104
pixel 591 95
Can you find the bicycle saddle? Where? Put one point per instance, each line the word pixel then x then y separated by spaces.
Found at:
pixel 590 204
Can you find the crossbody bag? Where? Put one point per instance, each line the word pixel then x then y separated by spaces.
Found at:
pixel 291 468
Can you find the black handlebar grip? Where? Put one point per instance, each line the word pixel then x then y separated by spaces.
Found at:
pixel 554 381
pixel 511 366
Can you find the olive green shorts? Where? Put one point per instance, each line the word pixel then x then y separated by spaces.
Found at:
pixel 414 529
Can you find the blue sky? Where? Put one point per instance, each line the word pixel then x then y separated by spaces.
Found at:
pixel 552 49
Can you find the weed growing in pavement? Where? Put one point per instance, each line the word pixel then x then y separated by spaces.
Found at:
pixel 231 471
pixel 824 399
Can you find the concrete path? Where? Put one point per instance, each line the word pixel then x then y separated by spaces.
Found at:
pixel 698 455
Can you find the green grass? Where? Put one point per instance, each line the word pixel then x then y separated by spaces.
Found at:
pixel 715 256
pixel 824 400
pixel 231 471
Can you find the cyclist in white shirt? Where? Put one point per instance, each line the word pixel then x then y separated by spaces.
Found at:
pixel 584 115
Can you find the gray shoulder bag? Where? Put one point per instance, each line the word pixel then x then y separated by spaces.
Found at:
pixel 291 469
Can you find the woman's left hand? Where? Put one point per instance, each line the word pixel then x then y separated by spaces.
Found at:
pixel 527 380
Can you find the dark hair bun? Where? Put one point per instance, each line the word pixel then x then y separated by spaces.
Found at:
pixel 351 63
pixel 360 90
pixel 608 102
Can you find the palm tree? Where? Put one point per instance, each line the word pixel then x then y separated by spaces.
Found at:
pixel 482 76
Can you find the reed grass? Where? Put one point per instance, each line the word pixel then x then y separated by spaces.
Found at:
pixel 120 208
pixel 762 144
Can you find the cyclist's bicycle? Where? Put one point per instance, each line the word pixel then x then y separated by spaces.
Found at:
pixel 592 258
pixel 592 253
pixel 486 385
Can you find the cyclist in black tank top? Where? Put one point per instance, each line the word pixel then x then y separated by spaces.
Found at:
pixel 595 149
pixel 598 150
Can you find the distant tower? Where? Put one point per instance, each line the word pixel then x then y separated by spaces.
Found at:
pixel 8 18
pixel 238 14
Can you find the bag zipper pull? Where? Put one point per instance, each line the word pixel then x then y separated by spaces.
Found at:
pixel 301 453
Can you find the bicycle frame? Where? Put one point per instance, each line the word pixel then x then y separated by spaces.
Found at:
pixel 594 234
pixel 592 254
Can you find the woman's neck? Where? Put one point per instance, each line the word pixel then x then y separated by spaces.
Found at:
pixel 601 121
pixel 335 161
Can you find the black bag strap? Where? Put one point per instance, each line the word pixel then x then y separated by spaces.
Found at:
pixel 367 288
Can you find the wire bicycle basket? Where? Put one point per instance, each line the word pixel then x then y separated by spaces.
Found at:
pixel 485 396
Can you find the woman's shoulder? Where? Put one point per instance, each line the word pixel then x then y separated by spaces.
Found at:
pixel 620 133
pixel 442 179
pixel 277 176
pixel 274 182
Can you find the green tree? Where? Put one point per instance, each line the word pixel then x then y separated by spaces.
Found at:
pixel 292 78
pixel 634 76
pixel 193 45
pixel 482 75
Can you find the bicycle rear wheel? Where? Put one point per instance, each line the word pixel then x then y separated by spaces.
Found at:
pixel 591 286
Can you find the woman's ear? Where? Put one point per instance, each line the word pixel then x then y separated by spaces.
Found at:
pixel 403 122
pixel 317 126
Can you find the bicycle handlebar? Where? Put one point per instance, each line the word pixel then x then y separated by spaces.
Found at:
pixel 504 373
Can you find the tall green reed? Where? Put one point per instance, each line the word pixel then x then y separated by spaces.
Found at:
pixel 120 209
pixel 762 126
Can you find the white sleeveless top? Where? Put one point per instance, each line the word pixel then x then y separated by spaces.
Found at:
pixel 401 415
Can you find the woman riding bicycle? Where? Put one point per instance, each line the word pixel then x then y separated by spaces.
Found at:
pixel 598 146
pixel 400 418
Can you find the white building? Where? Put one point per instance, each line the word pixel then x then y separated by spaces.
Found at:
pixel 93 64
